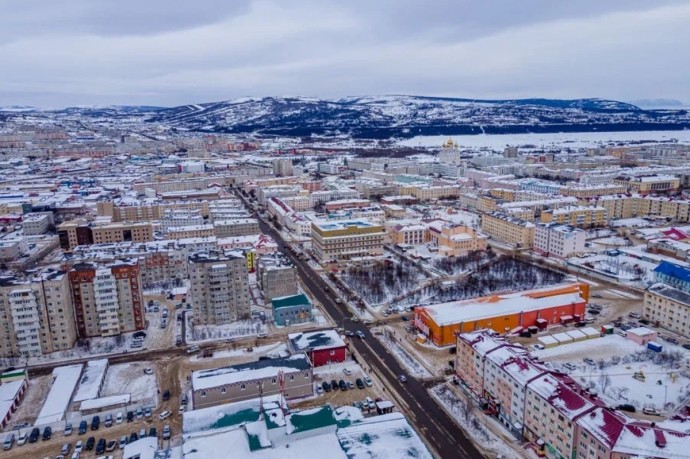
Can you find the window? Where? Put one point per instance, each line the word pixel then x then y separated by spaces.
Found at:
pixel 242 386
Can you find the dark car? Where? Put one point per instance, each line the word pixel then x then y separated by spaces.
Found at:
pixel 90 443
pixel 100 446
pixel 334 384
pixel 47 433
pixel 626 407
pixel 686 346
pixel 133 437
pixel 360 383
pixel 326 386
pixel 342 384
pixel 83 426
pixel 152 432
pixel 130 416
pixel 166 395
pixel 95 422
pixel 581 324
pixel 35 433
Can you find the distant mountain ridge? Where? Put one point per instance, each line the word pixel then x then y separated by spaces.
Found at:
pixel 393 116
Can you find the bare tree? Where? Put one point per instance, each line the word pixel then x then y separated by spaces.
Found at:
pixel 466 409
pixel 604 382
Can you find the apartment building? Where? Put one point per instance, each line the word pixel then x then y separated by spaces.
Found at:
pixel 276 276
pixel 188 184
pixel 505 229
pixel 282 167
pixel 674 275
pixel 236 227
pixel 627 206
pixel 191 231
pixel 560 241
pixel 454 240
pixel 263 194
pixel 577 216
pixel 219 288
pixel 143 212
pixel 107 298
pixel 321 197
pixel 74 233
pixel 298 203
pixel 173 218
pixel 37 224
pixel 552 405
pixel 668 307
pixel 649 184
pixel 38 315
pixel 592 191
pixel 344 240
pixel 430 192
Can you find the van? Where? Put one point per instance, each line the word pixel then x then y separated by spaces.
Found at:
pixel 192 349
pixel 9 441
pixel 622 333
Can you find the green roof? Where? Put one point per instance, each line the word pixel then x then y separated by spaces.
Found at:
pixel 289 301
pixel 312 419
pixel 237 418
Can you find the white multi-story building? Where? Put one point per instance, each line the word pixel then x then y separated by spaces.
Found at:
pixel 561 241
pixel 668 307
pixel 219 288
pixel 106 302
pixel 173 218
pixel 282 167
pixel 26 321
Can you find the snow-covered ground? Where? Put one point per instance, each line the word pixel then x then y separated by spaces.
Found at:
pixel 129 378
pixel 276 349
pixel 239 329
pixel 623 268
pixel 570 139
pixel 617 360
pixel 411 363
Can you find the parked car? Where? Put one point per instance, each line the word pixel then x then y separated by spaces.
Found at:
pixel 166 395
pixel 334 384
pixel 119 418
pixel 368 381
pixel 626 407
pixel 326 386
pixel 65 448
pixel 538 347
pixel 152 432
pixel 9 441
pixel 95 422
pixel 68 429
pixel 142 433
pixel 90 443
pixel 360 334
pixel 148 371
pixel 182 409
pixel 22 438
pixel 164 415
pixel 133 437
pixel 108 420
pixel 79 446
pixel 123 441
pixel 350 384
pixel 166 432
pixel 139 413
pixel 360 383
pixel 112 444
pixel 35 433
pixel 589 361
pixel 147 412
pixel 570 366
pixel 47 433
pixel 319 389
pixel 347 371
pixel 130 416
pixel 342 385
pixel 75 455
pixel 192 349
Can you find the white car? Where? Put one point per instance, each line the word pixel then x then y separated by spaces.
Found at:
pixel 78 447
pixel 538 347
pixel 22 439
pixel 347 371
pixel 182 409
pixel 148 371
pixel 119 418
pixel 164 415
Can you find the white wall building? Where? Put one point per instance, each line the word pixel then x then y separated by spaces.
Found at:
pixel 561 241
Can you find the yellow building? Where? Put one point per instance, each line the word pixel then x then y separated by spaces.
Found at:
pixel 668 307
pixel 412 234
pixel 644 206
pixel 347 239
pixel 74 233
pixel 577 216
pixel 505 229
pixel 456 240
pixel 592 191
pixel 649 184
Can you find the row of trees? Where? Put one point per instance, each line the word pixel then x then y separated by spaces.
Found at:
pixel 381 279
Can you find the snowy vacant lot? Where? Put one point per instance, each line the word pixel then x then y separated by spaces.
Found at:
pixel 457 265
pixel 129 378
pixel 622 267
pixel 626 373
pixel 381 281
pixel 505 274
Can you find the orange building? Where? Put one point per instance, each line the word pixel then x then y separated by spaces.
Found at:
pixel 502 313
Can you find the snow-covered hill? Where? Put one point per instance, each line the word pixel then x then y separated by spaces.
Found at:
pixel 381 117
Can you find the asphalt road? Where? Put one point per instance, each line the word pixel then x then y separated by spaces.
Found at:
pixel 437 427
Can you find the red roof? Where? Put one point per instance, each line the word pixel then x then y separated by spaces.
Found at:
pixel 675 234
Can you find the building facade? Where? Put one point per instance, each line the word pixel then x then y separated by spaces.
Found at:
pixel 344 240
pixel 560 241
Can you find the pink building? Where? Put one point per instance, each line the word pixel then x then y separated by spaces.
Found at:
pixel 642 335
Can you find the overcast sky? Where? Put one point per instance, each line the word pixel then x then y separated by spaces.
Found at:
pixel 170 52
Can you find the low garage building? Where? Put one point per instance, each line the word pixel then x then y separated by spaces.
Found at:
pixel 323 347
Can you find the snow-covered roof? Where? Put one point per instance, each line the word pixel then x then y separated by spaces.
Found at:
pixel 645 441
pixel 560 395
pixel 144 448
pixel 641 331
pixel 497 305
pixel 91 380
pixel 103 402
pixel 261 369
pixel 324 339
pixel 229 415
pixel 8 394
pixel 65 379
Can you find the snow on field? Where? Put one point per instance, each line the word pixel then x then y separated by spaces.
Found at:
pixel 466 418
pixel 382 437
pixel 413 366
pixel 129 378
pixel 617 360
pixel 622 267
pixel 612 241
pixel 571 139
